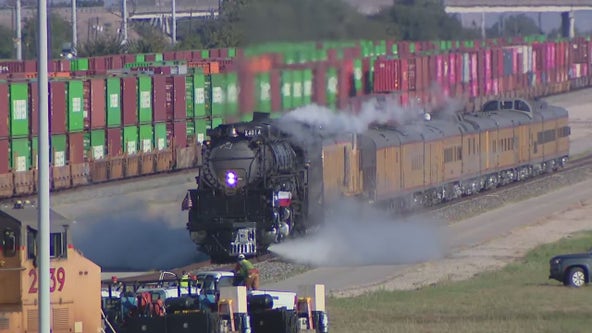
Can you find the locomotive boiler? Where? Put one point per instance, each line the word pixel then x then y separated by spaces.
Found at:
pixel 251 190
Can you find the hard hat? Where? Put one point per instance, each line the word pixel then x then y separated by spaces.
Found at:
pixel 241 257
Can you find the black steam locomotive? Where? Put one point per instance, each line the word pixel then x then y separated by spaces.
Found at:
pixel 252 191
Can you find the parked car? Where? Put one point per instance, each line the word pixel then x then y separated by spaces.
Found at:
pixel 571 269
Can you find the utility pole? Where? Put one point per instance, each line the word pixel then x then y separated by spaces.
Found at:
pixel 74 32
pixel 19 37
pixel 43 182
pixel 124 16
pixel 174 27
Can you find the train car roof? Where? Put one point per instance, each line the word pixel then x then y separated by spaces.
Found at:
pixel 28 216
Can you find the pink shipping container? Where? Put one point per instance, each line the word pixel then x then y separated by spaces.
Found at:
pixel 97 103
pixel 159 102
pixel 114 142
pixel 129 58
pixel 129 105
pixel 76 147
pixel 33 106
pixel 57 106
pixel 452 69
pixel 4 117
pixel 195 55
pixel 4 167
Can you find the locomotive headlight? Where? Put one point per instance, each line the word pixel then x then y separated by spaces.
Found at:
pixel 231 178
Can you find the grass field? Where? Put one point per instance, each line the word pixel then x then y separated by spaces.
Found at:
pixel 519 298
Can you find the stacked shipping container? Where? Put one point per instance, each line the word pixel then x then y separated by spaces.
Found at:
pixel 121 116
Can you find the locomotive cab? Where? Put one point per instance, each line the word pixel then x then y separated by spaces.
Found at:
pixel 74 281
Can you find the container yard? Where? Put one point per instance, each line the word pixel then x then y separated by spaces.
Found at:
pixel 123 116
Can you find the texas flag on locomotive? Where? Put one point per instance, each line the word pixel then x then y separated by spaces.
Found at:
pixel 282 199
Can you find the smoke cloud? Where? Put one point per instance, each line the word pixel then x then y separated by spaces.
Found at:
pixel 358 234
pixel 135 234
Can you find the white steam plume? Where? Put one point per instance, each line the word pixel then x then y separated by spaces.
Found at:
pixel 357 234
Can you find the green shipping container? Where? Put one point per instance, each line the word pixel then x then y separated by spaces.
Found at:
pixel 217 122
pixel 145 99
pixel 20 151
pixel 332 87
pixel 158 57
pixel 297 88
pixel 130 140
pixel 97 144
pixel 113 102
pixel 218 92
pixel 80 64
pixel 58 148
pixel 263 93
pixel 358 75
pixel 146 138
pixel 205 54
pixel 287 81
pixel 199 95
pixel 160 136
pixel 75 106
pixel 189 96
pixel 308 79
pixel 140 58
pixel 232 94
pixel 19 109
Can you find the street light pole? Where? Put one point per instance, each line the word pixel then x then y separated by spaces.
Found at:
pixel 74 31
pixel 43 165
pixel 124 16
pixel 174 27
pixel 19 37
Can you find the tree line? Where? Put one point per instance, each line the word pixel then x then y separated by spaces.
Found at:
pixel 245 22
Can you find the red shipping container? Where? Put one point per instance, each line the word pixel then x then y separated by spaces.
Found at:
pixel 387 75
pixel 168 56
pixel 129 59
pixel 4 151
pixel 4 116
pixel 223 53
pixel 344 83
pixel 275 89
pixel 159 101
pixel 76 147
pixel 403 74
pixel 319 91
pixel 115 62
pixel 214 53
pixel 97 107
pixel 30 66
pixel 452 69
pixel 57 106
pixel 180 134
pixel 195 55
pixel 247 92
pixel 34 107
pixel 179 97
pixel 151 57
pixel 97 63
pixel 129 106
pixel 114 142
pixel 410 65
pixel 11 67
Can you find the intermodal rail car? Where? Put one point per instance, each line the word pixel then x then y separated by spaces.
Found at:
pixel 258 185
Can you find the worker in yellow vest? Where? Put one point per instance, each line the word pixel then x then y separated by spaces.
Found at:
pixel 249 273
pixel 184 280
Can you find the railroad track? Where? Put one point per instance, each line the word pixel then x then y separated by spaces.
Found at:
pixel 573 165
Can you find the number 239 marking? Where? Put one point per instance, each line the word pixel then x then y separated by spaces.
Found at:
pixel 57 276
